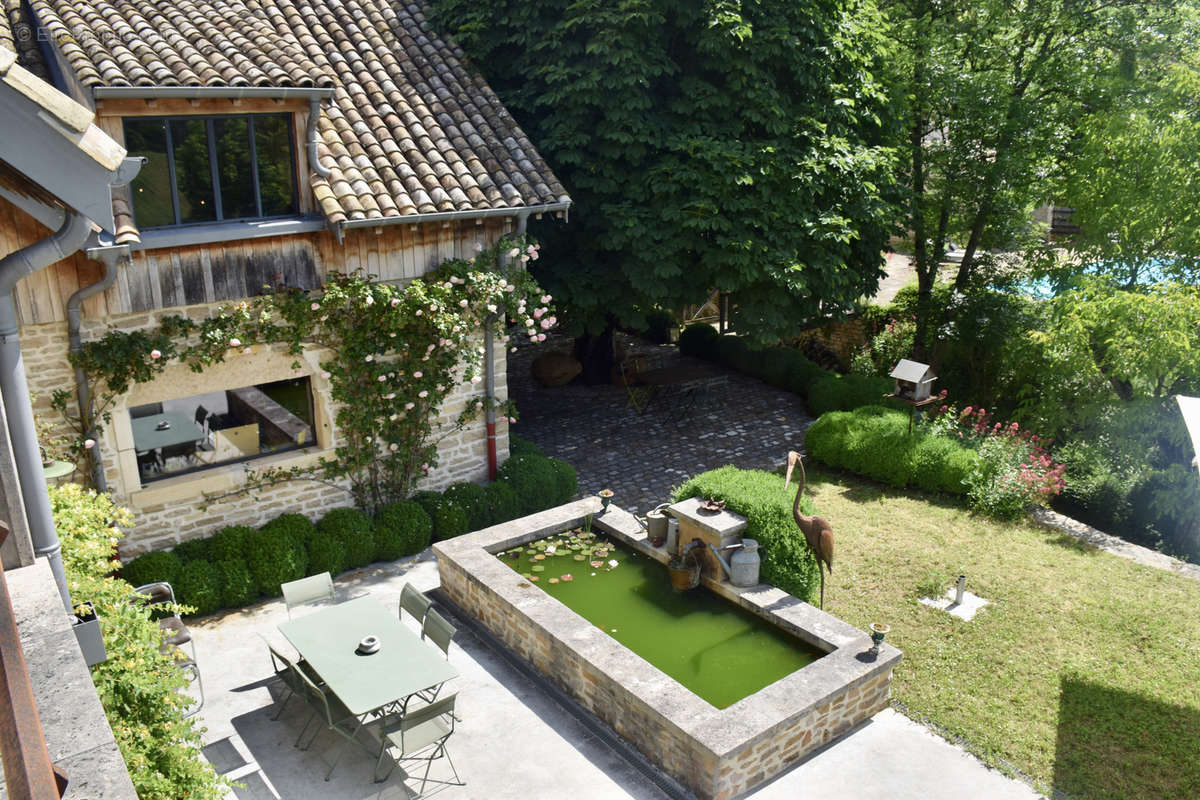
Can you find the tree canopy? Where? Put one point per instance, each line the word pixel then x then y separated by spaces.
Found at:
pixel 706 145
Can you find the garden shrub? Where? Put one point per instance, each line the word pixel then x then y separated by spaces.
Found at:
pixel 229 543
pixel 402 528
pixel 199 586
pixel 237 584
pixel 699 340
pixel 503 502
pixel 326 553
pixel 874 442
pixel 274 557
pixel 471 499
pixel 731 349
pixel 659 323
pixel 534 479
pixel 192 550
pixel 847 392
pixel 519 446
pixel 355 531
pixel 296 527
pixel 760 497
pixel 139 686
pixel 566 480
pixel 154 566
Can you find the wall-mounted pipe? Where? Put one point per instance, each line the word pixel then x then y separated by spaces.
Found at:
pixel 489 369
pixel 108 256
pixel 15 391
pixel 311 138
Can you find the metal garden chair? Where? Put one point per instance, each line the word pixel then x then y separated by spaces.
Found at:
pixel 337 717
pixel 440 632
pixel 415 602
pixel 307 590
pixel 286 670
pixel 175 633
pixel 419 735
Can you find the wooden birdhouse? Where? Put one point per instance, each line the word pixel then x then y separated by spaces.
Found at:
pixel 914 380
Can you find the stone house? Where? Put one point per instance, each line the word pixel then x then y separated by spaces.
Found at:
pixel 283 142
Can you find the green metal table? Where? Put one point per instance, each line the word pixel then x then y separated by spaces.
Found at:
pixel 404 664
pixel 182 428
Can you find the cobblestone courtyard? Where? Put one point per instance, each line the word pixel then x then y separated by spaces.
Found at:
pixel 643 456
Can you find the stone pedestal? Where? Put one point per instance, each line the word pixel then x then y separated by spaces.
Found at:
pixel 720 530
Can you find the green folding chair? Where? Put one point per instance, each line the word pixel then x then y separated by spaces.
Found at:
pixel 414 602
pixel 337 717
pixel 437 630
pixel 312 589
pixel 286 671
pixel 419 735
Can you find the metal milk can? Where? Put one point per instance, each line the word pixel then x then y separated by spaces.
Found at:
pixel 656 523
pixel 743 566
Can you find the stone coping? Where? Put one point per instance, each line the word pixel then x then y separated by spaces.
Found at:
pixel 78 736
pixel 719 731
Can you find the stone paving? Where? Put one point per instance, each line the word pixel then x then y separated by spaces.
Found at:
pixel 642 457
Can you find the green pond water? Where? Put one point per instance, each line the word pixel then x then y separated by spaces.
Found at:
pixel 720 652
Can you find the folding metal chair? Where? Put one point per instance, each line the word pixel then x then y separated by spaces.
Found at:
pixel 414 602
pixel 285 669
pixel 175 633
pixel 419 735
pixel 638 395
pixel 307 590
pixel 337 717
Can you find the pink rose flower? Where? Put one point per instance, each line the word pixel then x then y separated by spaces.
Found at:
pixel 409 406
pixel 88 444
pixel 235 342
pixel 423 394
pixel 315 307
pixel 156 354
pixel 418 374
pixel 325 375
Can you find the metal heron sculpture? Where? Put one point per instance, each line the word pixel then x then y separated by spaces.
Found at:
pixel 816 529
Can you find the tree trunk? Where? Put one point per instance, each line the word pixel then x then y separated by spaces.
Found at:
pixel 595 353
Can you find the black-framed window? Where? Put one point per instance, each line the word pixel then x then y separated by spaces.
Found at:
pixel 209 169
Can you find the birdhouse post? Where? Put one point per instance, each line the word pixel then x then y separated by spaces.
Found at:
pixel 914 386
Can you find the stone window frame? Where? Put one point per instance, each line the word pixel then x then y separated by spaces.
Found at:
pixel 265 364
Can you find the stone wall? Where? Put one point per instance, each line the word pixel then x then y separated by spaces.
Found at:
pixel 844 338
pixel 717 753
pixel 175 509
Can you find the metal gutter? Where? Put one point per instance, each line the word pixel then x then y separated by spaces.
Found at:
pixel 448 216
pixel 212 92
pixel 310 135
pixel 108 256
pixel 62 243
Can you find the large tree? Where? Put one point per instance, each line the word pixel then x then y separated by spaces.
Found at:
pixel 995 95
pixel 707 144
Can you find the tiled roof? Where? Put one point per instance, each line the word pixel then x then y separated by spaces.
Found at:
pixel 410 129
pixel 18 35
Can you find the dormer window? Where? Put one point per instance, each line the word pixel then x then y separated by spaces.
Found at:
pixel 210 169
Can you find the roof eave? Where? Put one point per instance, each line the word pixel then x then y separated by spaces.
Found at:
pixel 212 92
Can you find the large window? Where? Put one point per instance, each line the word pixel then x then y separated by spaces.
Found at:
pixel 206 430
pixel 206 169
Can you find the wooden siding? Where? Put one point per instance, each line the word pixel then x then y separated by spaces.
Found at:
pixel 231 271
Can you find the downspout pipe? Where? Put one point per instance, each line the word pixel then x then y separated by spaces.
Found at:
pixel 489 370
pixel 108 256
pixel 15 391
pixel 312 138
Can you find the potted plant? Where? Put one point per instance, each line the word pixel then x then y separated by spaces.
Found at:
pixel 87 633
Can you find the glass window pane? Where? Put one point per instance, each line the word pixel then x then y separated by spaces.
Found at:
pixel 273 140
pixel 192 170
pixel 233 157
pixel 152 186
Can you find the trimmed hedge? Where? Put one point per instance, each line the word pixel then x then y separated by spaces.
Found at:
pixel 402 528
pixel 874 441
pixel 151 567
pixel 193 550
pixel 471 499
pixel 565 479
pixel 356 533
pixel 783 367
pixel 275 557
pixel 237 584
pixel 326 553
pixel 503 502
pixel 297 527
pixel 699 340
pixel 519 446
pixel 199 585
pixel 760 497
pixel 534 479
pixel 847 392
pixel 229 544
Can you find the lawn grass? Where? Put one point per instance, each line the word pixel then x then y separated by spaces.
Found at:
pixel 1083 673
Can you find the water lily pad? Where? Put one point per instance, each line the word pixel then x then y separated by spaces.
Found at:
pixel 554 580
pixel 568 577
pixel 580 557
pixel 597 564
pixel 540 557
pixel 526 575
pixel 534 578
pixel 538 568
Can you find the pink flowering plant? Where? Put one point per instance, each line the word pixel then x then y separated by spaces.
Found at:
pixel 391 356
pixel 1014 469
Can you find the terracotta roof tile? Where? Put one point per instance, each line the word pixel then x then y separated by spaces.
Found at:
pixel 410 128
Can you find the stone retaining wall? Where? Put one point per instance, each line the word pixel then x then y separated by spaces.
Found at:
pixel 717 753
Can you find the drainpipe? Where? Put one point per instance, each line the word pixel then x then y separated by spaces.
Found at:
pixel 310 135
pixel 108 257
pixel 13 388
pixel 489 369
